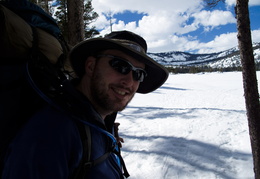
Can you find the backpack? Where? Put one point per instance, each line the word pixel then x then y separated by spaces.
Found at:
pixel 32 51
pixel 33 72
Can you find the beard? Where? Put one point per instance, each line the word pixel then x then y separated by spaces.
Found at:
pixel 101 97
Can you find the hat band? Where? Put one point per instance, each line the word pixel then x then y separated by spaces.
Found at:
pixel 131 45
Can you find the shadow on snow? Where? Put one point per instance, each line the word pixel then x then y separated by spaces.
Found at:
pixel 162 113
pixel 176 153
pixel 183 152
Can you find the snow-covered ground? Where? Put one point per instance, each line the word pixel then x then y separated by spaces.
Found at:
pixel 193 127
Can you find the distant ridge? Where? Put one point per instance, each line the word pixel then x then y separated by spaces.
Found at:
pixel 223 59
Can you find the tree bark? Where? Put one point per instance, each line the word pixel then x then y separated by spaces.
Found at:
pixel 75 21
pixel 249 81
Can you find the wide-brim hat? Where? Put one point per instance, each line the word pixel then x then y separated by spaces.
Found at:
pixel 127 42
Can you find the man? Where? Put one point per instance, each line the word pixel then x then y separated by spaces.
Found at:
pixel 109 72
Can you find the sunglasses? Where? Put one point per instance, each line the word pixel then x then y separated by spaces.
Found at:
pixel 124 67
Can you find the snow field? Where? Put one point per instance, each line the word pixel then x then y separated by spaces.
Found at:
pixel 194 126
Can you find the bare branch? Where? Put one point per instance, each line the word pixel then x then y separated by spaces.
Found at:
pixel 213 3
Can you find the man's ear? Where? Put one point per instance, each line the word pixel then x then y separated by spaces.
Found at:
pixel 90 65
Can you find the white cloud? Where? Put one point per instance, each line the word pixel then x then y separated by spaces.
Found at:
pixel 251 2
pixel 166 14
pixel 220 43
pixel 151 6
pixel 230 2
pixel 254 3
pixel 101 22
pixel 255 35
pixel 214 18
pixel 186 43
pixel 168 24
pixel 131 26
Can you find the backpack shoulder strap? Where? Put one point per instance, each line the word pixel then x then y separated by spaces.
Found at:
pixel 86 163
pixel 85 135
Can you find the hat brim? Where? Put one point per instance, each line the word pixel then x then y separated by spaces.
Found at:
pixel 156 73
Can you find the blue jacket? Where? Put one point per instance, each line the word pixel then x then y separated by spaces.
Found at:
pixel 49 146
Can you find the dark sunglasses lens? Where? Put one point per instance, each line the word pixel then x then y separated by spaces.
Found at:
pixel 139 75
pixel 124 68
pixel 120 66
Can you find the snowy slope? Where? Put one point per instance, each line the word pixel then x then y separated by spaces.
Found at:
pixel 224 59
pixel 193 127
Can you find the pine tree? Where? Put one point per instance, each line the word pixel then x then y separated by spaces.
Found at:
pixel 88 16
pixel 61 16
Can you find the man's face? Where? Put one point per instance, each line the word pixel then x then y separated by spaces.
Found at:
pixel 111 91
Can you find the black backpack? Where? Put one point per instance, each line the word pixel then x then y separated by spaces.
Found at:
pixel 32 57
pixel 33 72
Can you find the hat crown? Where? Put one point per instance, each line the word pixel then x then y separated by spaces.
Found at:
pixel 129 43
pixel 126 35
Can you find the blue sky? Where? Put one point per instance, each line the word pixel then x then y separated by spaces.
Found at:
pixel 174 25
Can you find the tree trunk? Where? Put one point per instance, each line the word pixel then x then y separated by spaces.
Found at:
pixel 75 21
pixel 249 81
